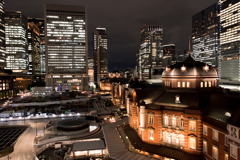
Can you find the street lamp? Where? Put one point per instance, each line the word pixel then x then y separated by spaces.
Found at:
pixel 36 128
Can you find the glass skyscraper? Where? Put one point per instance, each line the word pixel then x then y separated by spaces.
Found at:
pixel 151 50
pixel 39 22
pixel 2 36
pixel 34 54
pixel 66 46
pixel 16 42
pixel 100 54
pixel 205 35
pixel 229 52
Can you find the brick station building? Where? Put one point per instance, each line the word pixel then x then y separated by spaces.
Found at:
pixel 189 117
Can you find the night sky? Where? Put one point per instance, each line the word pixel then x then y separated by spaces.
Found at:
pixel 124 20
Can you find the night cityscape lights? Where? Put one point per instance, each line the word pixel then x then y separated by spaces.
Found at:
pixel 71 90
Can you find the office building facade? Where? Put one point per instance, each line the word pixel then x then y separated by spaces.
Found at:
pixel 66 46
pixel 16 42
pixel 39 22
pixel 100 54
pixel 34 54
pixel 229 53
pixel 90 70
pixel 205 35
pixel 2 36
pixel 150 51
pixel 169 54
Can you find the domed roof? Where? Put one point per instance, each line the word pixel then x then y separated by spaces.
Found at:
pixel 190 68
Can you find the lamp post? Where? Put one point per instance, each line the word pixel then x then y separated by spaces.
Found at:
pixel 36 128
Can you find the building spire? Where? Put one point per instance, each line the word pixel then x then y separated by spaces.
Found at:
pixel 189 49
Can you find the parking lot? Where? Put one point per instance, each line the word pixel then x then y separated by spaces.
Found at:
pixel 8 135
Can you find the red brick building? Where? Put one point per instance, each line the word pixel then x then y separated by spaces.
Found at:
pixel 189 115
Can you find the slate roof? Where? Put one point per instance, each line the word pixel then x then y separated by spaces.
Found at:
pixel 185 98
pixel 219 104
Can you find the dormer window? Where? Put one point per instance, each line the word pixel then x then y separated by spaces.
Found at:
pixel 177 99
pixel 206 68
pixel 183 68
pixel 167 69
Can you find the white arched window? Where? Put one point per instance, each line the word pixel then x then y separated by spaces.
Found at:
pixel 166 121
pixel 173 122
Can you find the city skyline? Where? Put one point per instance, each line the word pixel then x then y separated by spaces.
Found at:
pixel 178 23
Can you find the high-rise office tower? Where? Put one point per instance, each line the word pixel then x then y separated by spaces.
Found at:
pixel 229 53
pixel 150 51
pixel 169 54
pixel 182 55
pixel 66 46
pixel 90 70
pixel 16 42
pixel 39 22
pixel 34 54
pixel 2 36
pixel 205 35
pixel 100 54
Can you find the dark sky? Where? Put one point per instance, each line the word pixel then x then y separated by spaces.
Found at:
pixel 124 20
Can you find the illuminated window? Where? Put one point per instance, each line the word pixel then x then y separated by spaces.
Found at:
pixel 192 126
pixel 215 134
pixel 192 143
pixel 201 84
pixel 209 84
pixel 177 99
pixel 233 151
pixel 151 134
pixel 205 84
pixel 188 84
pixel 205 130
pixel 179 84
pixel 215 153
pixel 183 68
pixel 166 120
pixel 183 84
pixel 204 146
pixel 225 156
pixel 173 122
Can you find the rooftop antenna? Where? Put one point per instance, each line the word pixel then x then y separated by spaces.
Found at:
pixel 189 50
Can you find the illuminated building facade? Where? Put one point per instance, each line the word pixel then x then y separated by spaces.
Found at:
pixel 90 70
pixel 100 54
pixel 16 42
pixel 151 50
pixel 39 22
pixel 229 54
pixel 189 117
pixel 66 46
pixel 2 36
pixel 34 53
pixel 169 54
pixel 205 35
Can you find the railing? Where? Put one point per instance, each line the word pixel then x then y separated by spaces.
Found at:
pixel 48 103
pixel 40 150
pixel 46 116
pixel 62 138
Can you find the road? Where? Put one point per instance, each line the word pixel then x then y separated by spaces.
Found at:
pixel 23 149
